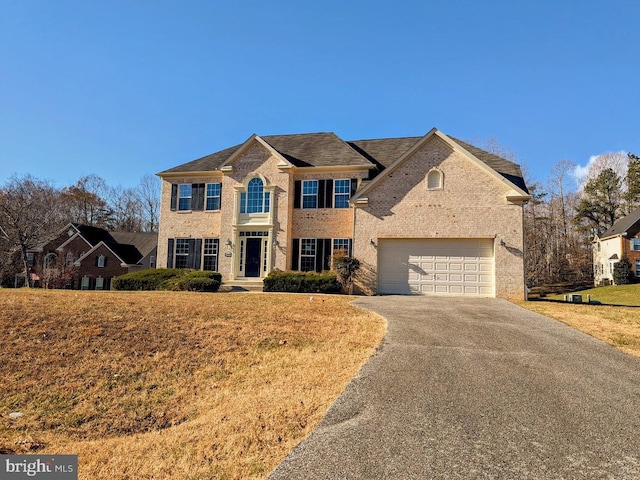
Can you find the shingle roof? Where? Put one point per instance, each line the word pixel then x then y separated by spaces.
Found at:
pixel 327 149
pixel 509 170
pixel 315 150
pixel 384 151
pixel 133 246
pixel 629 224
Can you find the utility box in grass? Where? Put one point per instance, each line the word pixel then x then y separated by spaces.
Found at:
pixel 575 298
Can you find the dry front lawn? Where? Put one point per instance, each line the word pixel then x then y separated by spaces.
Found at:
pixel 173 384
pixel 617 326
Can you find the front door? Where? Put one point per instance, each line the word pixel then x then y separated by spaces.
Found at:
pixel 252 258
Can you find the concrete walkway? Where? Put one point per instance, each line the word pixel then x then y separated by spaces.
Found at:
pixel 475 389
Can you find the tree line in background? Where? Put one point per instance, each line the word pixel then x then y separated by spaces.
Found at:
pixel 562 218
pixel 32 209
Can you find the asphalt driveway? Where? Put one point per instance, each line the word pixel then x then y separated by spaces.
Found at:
pixel 474 389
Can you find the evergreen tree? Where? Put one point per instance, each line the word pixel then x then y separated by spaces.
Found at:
pixel 632 181
pixel 601 202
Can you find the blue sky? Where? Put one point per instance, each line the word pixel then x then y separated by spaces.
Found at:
pixel 127 88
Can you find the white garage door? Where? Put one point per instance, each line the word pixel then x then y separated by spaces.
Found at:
pixel 436 266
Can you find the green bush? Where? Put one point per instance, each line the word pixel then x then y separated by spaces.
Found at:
pixel 169 279
pixel 199 281
pixel 302 282
pixel 622 272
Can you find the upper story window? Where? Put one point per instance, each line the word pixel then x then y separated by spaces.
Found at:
pixel 325 193
pixel 635 244
pixel 186 197
pixel 341 193
pixel 435 180
pixel 255 199
pixel 212 201
pixel 102 260
pixel 310 194
pixel 185 191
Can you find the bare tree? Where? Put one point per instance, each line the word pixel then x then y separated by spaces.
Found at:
pixel 149 192
pixel 126 205
pixel 28 213
pixel 86 204
pixel 616 161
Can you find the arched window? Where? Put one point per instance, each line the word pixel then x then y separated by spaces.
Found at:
pixel 255 199
pixel 435 180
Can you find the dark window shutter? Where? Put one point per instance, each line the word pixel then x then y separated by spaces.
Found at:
pixel 295 254
pixel 322 253
pixel 350 249
pixel 170 253
pixel 174 196
pixel 197 253
pixel 297 193
pixel 354 186
pixel 322 186
pixel 195 249
pixel 327 254
pixel 328 198
pixel 197 196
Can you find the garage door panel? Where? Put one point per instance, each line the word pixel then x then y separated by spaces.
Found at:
pixel 441 266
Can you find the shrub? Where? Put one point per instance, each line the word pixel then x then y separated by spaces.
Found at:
pixel 168 279
pixel 622 272
pixel 301 282
pixel 346 268
pixel 199 281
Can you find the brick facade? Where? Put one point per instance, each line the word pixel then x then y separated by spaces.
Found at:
pixel 473 203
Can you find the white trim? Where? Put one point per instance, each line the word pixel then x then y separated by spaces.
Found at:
pixel 434 132
pixel 79 260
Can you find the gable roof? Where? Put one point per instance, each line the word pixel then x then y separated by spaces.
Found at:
pixel 518 193
pixel 327 149
pixel 629 224
pixel 79 261
pixel 129 247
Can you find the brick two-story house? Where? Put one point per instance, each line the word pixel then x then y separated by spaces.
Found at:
pixel 621 240
pixel 427 214
pixel 86 257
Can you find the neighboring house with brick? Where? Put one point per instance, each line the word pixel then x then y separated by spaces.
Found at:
pixel 87 258
pixel 621 240
pixel 428 214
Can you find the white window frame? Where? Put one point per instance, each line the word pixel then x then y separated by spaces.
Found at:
pixel 99 283
pixel 102 261
pixel 181 249
pixel 265 199
pixel 309 196
pixel 207 197
pixel 303 254
pixel 637 267
pixel 635 245
pixel 182 187
pixel 342 194
pixel 210 249
pixel 338 245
